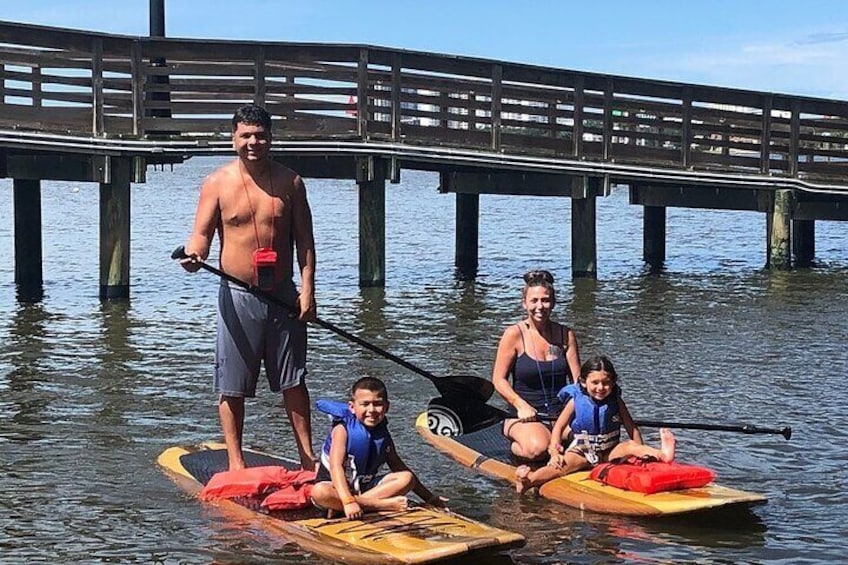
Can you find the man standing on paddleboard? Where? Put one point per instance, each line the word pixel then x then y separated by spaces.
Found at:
pixel 261 214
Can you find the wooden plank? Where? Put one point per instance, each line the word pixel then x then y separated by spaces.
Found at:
pixel 259 77
pixel 51 79
pixel 39 97
pixel 397 89
pixel 544 146
pixel 362 94
pixel 294 89
pixel 224 105
pixel 628 154
pixel 52 119
pixel 139 83
pixel 497 75
pixel 97 125
pixel 116 124
pixel 37 90
pixel 63 59
pixel 56 38
pixel 607 118
pixel 728 163
pixel 423 135
pixel 577 133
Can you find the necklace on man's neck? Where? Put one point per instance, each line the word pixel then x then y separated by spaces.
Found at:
pixel 250 204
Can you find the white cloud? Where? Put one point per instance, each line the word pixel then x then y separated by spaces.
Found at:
pixel 814 68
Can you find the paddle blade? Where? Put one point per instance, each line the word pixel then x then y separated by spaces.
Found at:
pixel 179 253
pixel 457 415
pixel 465 386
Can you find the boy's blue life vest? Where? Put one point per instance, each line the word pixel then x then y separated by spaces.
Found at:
pixel 595 424
pixel 366 447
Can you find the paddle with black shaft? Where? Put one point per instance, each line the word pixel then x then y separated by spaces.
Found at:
pixel 467 386
pixel 454 415
pixel 785 431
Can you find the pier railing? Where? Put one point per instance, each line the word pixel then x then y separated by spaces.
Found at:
pixel 106 86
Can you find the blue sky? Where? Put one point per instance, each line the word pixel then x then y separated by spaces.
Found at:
pixel 798 47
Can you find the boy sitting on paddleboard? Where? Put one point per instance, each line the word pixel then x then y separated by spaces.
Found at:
pixel 356 447
pixel 595 413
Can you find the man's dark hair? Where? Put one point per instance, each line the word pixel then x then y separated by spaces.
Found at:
pixel 253 115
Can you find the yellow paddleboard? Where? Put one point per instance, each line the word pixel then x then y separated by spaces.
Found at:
pixel 416 535
pixel 487 450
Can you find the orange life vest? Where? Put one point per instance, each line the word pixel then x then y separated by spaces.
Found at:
pixel 650 476
pixel 259 481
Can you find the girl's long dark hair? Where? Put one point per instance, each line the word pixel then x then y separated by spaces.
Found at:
pixel 598 363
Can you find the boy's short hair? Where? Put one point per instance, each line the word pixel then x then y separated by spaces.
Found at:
pixel 373 384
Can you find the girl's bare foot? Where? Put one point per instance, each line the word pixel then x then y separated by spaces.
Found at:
pixel 522 479
pixel 667 445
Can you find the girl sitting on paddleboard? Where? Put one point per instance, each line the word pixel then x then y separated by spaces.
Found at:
pixel 594 413
pixel 541 356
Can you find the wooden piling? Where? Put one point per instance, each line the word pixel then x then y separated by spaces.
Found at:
pixel 584 250
pixel 371 178
pixel 804 242
pixel 115 231
pixel 467 235
pixel 653 235
pixel 779 229
pixel 28 254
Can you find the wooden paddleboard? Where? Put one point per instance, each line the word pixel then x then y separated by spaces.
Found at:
pixel 487 450
pixel 416 535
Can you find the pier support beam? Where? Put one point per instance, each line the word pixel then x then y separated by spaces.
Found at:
pixel 584 248
pixel 804 242
pixel 28 254
pixel 371 178
pixel 467 235
pixel 653 230
pixel 115 231
pixel 779 228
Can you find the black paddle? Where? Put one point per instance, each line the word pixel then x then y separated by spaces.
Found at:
pixel 466 386
pixel 785 431
pixel 454 415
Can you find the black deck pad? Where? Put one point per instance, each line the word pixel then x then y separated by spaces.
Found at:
pixel 489 442
pixel 204 463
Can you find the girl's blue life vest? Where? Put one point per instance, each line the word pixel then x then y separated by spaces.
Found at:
pixel 366 447
pixel 597 425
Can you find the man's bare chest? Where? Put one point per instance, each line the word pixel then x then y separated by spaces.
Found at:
pixel 254 206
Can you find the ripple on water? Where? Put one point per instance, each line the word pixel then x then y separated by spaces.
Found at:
pixel 91 392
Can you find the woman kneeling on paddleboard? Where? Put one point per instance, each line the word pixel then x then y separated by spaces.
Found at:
pixel 541 356
pixel 594 413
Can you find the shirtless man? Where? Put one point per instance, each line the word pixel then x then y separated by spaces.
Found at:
pixel 260 212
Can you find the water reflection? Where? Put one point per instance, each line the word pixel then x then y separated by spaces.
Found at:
pixel 740 528
pixel 561 534
pixel 113 380
pixel 370 316
pixel 26 386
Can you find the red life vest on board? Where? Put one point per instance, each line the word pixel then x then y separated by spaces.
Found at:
pixel 649 475
pixel 289 490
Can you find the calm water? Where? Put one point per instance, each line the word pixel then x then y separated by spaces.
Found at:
pixel 91 392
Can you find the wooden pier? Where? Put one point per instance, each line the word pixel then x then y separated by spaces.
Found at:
pixel 93 107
